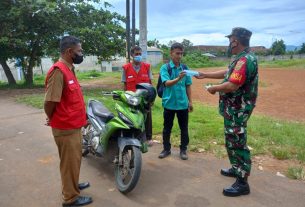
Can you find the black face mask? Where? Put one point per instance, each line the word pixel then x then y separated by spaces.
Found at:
pixel 78 59
pixel 229 51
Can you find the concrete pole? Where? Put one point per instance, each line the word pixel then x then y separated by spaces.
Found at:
pixel 128 29
pixel 143 28
pixel 133 38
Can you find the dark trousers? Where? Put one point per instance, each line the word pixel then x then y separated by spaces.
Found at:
pixel 168 116
pixel 148 125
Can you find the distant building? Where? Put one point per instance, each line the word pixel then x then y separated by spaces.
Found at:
pixel 260 49
pixel 154 56
pixel 223 49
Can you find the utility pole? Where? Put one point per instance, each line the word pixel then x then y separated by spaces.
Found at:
pixel 133 39
pixel 128 29
pixel 143 28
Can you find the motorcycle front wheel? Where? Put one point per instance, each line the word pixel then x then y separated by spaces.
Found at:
pixel 128 172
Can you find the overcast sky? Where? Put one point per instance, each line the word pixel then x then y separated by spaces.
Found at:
pixel 207 22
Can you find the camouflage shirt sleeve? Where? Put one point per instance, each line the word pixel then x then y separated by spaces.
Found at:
pixel 238 75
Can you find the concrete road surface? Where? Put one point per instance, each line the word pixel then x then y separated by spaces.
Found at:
pixel 29 173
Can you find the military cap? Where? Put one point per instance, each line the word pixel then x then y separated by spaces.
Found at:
pixel 240 32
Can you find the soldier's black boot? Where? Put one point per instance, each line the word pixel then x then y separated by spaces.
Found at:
pixel 240 187
pixel 228 172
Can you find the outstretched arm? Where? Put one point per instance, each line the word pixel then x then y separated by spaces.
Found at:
pixel 214 75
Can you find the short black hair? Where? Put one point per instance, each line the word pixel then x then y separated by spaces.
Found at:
pixel 177 45
pixel 68 42
pixel 135 48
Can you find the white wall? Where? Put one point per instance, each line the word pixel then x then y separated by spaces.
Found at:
pixel 89 63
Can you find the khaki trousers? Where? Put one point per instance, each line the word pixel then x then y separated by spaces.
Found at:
pixel 70 154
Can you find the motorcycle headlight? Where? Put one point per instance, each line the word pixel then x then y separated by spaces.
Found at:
pixel 125 119
pixel 132 100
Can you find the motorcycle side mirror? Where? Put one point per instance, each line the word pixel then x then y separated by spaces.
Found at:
pixel 116 96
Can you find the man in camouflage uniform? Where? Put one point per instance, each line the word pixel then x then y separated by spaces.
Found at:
pixel 238 92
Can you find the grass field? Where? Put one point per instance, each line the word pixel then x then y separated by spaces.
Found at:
pixel 281 139
pixel 284 64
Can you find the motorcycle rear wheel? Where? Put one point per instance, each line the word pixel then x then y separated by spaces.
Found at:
pixel 128 174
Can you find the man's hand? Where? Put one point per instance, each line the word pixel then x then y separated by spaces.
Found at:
pixel 181 75
pixel 47 122
pixel 200 76
pixel 190 107
pixel 212 90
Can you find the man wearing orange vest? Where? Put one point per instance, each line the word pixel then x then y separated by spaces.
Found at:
pixel 134 73
pixel 66 114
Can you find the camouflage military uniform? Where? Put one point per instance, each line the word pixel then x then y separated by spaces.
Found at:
pixel 236 108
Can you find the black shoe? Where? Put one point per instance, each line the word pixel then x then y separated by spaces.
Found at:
pixel 228 172
pixel 183 155
pixel 240 187
pixel 164 154
pixel 82 186
pixel 80 201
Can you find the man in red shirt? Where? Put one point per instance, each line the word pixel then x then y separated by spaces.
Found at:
pixel 66 114
pixel 134 73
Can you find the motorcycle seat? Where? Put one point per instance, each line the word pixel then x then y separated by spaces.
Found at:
pixel 101 111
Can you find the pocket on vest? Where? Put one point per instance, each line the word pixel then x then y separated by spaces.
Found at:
pixel 74 98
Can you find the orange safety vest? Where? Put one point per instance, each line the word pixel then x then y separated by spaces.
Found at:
pixel 133 78
pixel 70 112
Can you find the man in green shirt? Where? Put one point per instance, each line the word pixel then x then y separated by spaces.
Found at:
pixel 176 99
pixel 238 92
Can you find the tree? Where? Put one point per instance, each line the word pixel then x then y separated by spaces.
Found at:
pixel 153 43
pixel 278 47
pixel 32 29
pixel 171 42
pixel 188 45
pixel 7 40
pixel 302 50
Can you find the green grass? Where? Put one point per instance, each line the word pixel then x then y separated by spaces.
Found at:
pixel 39 80
pixel 20 85
pixel 285 64
pixel 278 138
pixel 297 173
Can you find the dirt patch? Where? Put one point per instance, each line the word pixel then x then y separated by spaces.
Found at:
pixel 270 164
pixel 281 93
pixel 105 83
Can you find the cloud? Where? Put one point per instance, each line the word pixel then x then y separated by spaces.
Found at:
pixel 206 22
pixel 200 39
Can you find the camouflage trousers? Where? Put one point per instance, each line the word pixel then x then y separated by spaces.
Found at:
pixel 238 152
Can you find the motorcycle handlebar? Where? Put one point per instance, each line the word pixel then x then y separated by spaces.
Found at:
pixel 107 93
pixel 114 95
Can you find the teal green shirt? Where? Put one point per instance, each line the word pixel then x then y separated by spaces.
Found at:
pixel 175 97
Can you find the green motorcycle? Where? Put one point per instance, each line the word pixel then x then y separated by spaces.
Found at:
pixel 121 137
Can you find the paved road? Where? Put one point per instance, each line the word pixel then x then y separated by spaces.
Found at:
pixel 29 174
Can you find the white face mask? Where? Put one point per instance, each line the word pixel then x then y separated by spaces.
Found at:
pixel 137 58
